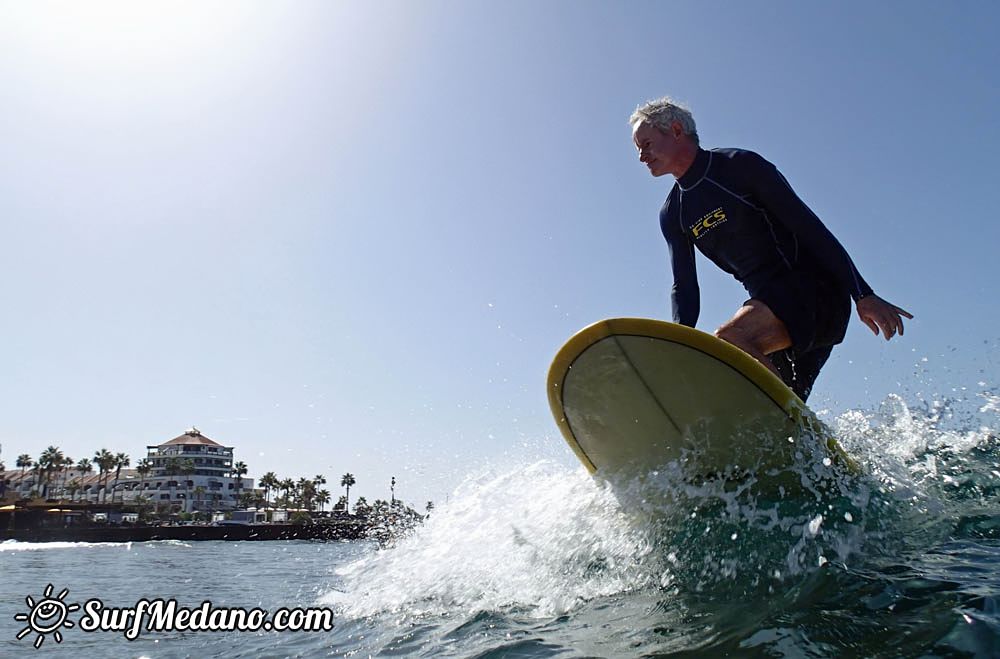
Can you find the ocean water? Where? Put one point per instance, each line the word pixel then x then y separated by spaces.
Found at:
pixel 540 560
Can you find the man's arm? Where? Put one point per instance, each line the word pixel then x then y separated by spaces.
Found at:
pixel 771 189
pixel 782 204
pixel 685 296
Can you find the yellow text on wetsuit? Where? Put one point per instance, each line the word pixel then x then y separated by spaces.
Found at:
pixel 709 221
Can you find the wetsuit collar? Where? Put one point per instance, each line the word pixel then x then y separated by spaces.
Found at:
pixel 696 171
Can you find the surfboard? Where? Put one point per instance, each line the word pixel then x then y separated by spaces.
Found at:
pixel 633 394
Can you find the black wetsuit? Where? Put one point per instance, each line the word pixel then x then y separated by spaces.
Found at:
pixel 740 212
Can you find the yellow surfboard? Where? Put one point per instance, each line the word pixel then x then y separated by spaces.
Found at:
pixel 635 394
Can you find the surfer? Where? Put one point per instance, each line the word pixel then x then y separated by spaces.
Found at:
pixel 741 213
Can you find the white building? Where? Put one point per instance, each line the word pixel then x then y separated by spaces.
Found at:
pixel 190 472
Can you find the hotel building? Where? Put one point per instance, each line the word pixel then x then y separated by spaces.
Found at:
pixel 192 472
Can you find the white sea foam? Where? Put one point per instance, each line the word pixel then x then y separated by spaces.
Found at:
pixel 15 545
pixel 992 403
pixel 166 543
pixel 901 445
pixel 543 536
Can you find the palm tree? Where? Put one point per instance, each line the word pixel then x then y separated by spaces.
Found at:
pixel 74 487
pixel 121 460
pixel 143 467
pixel 141 501
pixel 61 465
pixel 36 472
pixel 41 469
pixel 199 492
pixel 38 476
pixel 239 470
pixel 306 493
pixel 84 467
pixel 187 468
pixel 269 481
pixel 288 485
pixel 50 459
pixel 171 467
pixel 322 498
pixel 361 507
pixel 24 461
pixel 53 462
pixel 347 480
pixel 105 463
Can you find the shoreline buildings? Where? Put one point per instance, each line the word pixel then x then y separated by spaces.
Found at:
pixel 188 473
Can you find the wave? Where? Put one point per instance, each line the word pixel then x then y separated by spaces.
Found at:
pixel 543 539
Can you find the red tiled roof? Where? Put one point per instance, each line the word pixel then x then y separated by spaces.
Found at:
pixel 192 436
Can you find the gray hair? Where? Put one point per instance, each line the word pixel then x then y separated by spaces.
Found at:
pixel 662 113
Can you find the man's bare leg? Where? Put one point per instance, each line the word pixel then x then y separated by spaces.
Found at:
pixel 755 330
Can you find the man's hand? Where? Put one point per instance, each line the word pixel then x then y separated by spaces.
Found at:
pixel 878 314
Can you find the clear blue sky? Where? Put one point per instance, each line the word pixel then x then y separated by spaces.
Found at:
pixel 351 236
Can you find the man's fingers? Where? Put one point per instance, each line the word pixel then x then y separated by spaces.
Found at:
pixel 897 324
pixel 888 329
pixel 885 317
pixel 886 323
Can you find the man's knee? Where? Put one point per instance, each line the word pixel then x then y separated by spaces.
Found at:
pixel 732 333
pixel 755 329
pixel 755 343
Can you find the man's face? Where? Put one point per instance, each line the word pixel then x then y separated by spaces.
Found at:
pixel 657 150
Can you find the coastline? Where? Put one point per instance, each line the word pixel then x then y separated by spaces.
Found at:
pixel 328 532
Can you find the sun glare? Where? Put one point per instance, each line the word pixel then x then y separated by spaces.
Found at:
pixel 121 30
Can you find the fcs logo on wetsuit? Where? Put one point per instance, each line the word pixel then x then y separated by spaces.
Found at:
pixel 707 223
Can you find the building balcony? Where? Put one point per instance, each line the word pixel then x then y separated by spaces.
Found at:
pixel 188 451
